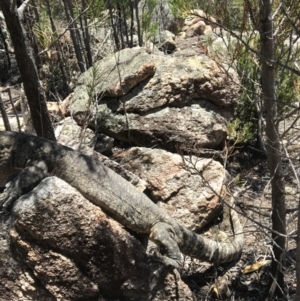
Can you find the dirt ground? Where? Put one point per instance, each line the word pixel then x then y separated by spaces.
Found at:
pixel 254 207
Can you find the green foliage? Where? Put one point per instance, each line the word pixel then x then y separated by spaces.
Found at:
pixel 230 13
pixel 42 30
pixel 234 13
pixel 149 28
pixel 180 8
pixel 248 68
pixel 238 180
pixel 44 35
pixel 288 90
pixel 52 82
pixel 152 31
pixel 96 8
pixel 56 8
pixel 243 16
pixel 239 132
pixel 237 15
pixel 96 76
pixel 287 82
pixel 146 21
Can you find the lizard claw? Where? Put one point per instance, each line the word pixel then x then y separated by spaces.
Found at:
pixel 6 204
pixel 166 261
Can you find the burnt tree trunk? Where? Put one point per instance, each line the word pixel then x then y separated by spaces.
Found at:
pixel 86 36
pixel 131 23
pixel 26 63
pixel 112 17
pixel 298 259
pixel 5 47
pixel 273 149
pixel 74 36
pixel 64 74
pixel 140 37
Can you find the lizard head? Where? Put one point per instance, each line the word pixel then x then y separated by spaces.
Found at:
pixel 6 157
pixel 6 146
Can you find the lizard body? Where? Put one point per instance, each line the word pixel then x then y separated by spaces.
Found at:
pixel 38 158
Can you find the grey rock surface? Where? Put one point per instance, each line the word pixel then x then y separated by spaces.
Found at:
pixel 72 250
pixel 167 102
pixel 187 188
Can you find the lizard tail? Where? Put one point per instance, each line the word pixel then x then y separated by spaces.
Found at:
pixel 205 249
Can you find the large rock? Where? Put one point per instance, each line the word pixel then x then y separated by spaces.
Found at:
pixel 70 250
pixel 165 41
pixel 130 65
pixel 188 188
pixel 167 102
pixel 198 23
pixel 69 128
pixel 17 282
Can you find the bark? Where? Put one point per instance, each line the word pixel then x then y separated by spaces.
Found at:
pixel 131 24
pixel 111 15
pixel 273 149
pixel 120 25
pixel 298 259
pixel 64 75
pixel 138 23
pixel 80 40
pixel 5 47
pixel 125 26
pixel 14 109
pixel 4 115
pixel 31 18
pixel 72 28
pixel 86 37
pixel 28 71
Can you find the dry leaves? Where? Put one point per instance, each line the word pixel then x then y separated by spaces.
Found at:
pixel 255 266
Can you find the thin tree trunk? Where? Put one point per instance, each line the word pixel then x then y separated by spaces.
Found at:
pixel 6 47
pixel 273 150
pixel 60 54
pixel 74 37
pixel 59 51
pixel 27 23
pixel 125 26
pixel 131 23
pixel 27 67
pixel 111 15
pixel 76 30
pixel 86 37
pixel 138 23
pixel 297 297
pixel 14 108
pixel 120 25
pixel 4 115
pixel 80 41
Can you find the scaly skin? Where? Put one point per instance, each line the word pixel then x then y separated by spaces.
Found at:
pixel 38 158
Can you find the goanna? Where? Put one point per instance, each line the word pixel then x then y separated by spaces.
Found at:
pixel 37 158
